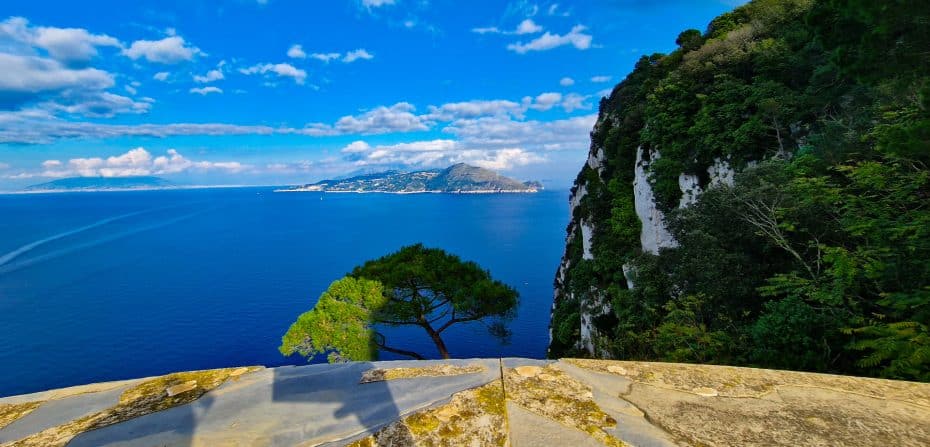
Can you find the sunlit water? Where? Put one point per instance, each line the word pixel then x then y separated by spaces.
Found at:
pixel 106 286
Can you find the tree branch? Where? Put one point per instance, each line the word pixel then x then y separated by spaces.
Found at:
pixel 379 341
pixel 456 320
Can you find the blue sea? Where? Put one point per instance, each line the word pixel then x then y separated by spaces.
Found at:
pixel 116 285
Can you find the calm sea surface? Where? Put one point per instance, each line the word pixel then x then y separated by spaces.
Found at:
pixel 116 285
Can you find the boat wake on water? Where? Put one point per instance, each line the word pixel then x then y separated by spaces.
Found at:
pixel 6 261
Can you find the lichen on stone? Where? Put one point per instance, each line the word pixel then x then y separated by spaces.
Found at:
pixel 723 405
pixel 12 412
pixel 139 400
pixel 734 381
pixel 549 392
pixel 472 417
pixel 444 370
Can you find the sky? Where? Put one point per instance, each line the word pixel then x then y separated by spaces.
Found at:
pixel 275 92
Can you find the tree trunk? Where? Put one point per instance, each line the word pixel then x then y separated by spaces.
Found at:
pixel 440 345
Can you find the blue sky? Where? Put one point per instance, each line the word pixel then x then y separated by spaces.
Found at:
pixel 288 91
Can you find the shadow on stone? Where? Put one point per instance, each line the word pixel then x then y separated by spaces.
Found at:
pixel 341 405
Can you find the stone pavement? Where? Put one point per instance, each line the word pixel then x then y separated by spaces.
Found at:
pixel 519 402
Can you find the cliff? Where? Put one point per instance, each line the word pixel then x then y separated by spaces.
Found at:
pixel 477 402
pixel 757 197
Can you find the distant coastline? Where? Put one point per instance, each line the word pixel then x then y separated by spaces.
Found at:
pixel 487 191
pixel 459 178
pixel 164 188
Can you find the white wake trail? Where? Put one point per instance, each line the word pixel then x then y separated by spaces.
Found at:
pixel 5 259
pixel 94 243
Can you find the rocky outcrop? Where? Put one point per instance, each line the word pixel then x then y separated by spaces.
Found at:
pixel 482 402
pixel 654 234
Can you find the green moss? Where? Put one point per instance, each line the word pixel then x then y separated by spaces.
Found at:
pixel 491 399
pixel 422 424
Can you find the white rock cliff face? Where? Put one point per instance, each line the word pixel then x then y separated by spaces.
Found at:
pixel 575 199
pixel 721 173
pixel 587 232
pixel 654 234
pixel 596 159
pixel 690 187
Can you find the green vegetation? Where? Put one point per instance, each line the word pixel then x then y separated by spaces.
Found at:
pixel 415 286
pixel 818 257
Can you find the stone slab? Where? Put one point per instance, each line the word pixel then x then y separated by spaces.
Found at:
pixel 289 406
pixel 59 411
pixel 531 430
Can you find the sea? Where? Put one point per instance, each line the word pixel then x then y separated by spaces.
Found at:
pixel 100 286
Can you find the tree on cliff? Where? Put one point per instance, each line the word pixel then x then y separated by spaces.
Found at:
pixel 415 286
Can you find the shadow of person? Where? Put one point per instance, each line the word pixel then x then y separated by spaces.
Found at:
pixel 281 406
pixel 173 427
pixel 332 402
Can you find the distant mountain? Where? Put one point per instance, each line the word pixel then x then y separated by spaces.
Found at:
pixel 103 184
pixel 458 178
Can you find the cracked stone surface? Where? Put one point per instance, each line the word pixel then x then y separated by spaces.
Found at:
pixel 494 402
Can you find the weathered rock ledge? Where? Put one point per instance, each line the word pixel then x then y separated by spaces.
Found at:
pixel 476 402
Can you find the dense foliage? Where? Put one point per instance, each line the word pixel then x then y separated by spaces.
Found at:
pixel 818 256
pixel 415 286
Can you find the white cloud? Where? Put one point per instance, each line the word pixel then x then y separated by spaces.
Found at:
pixel 37 126
pixel 170 50
pixel 64 44
pixel 599 79
pixel 296 52
pixel 505 132
pixel 396 118
pixel 576 37
pixel 527 26
pixel 401 117
pixel 349 57
pixel 356 147
pixel 134 162
pixel 206 90
pixel 554 11
pixel 326 57
pixel 486 30
pixel 31 74
pixel 4 166
pixel 174 162
pixel 436 153
pixel 96 104
pixel 376 3
pixel 302 166
pixel 210 76
pixel 566 82
pixel 56 83
pixel 475 108
pixel 355 55
pixel 544 101
pixel 161 76
pixel 282 70
pixel 501 159
pixel 574 101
